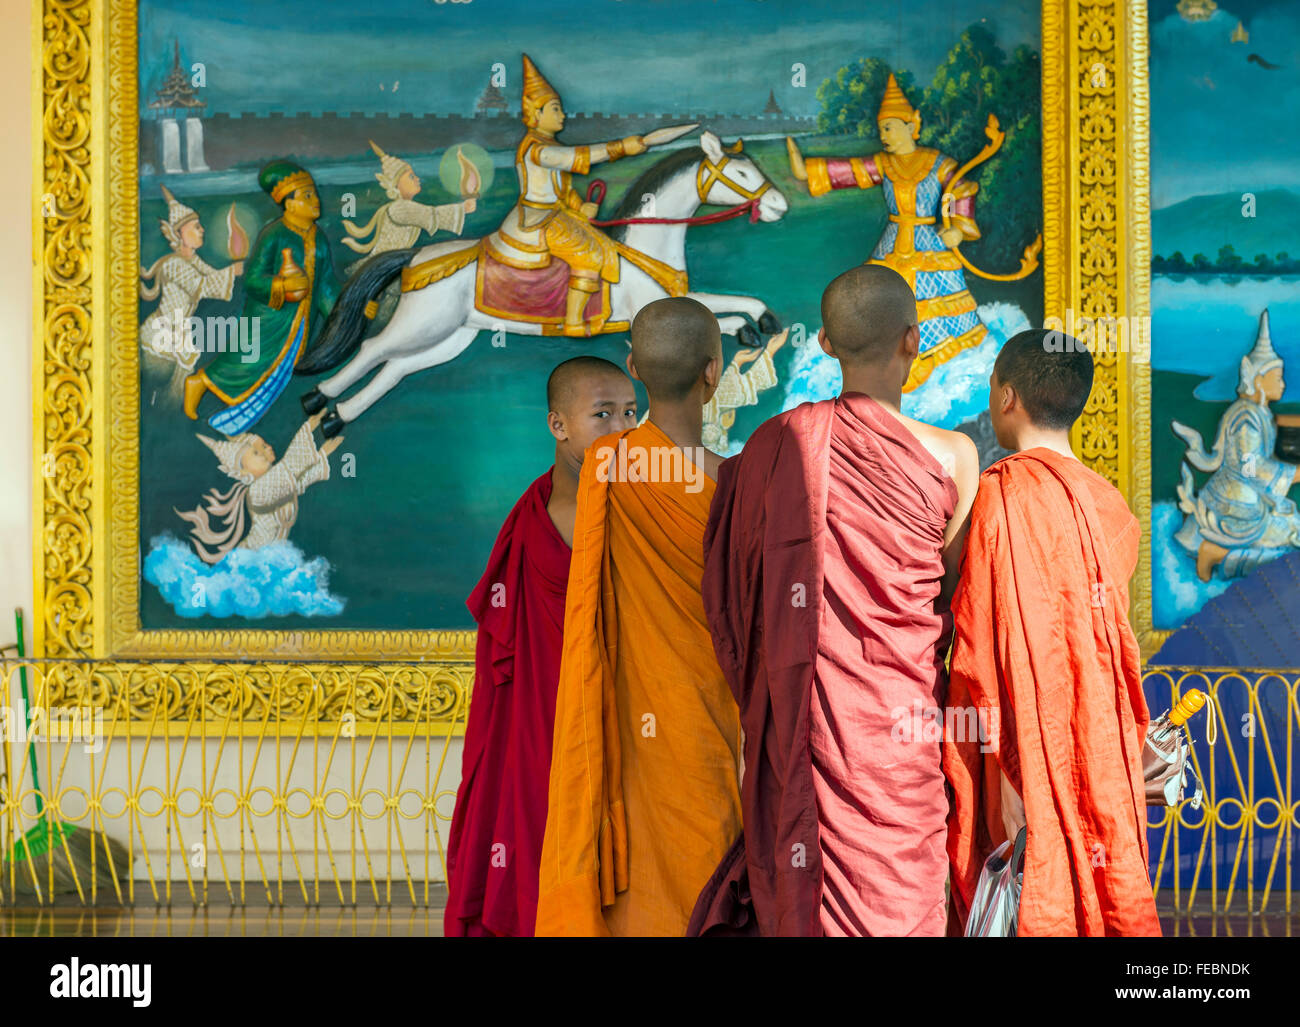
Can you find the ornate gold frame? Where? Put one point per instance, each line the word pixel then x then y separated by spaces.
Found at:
pixel 1096 256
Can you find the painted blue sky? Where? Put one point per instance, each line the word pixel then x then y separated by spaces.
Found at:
pixel 1219 122
pixel 636 56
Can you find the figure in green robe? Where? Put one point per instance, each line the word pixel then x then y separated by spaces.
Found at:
pixel 289 290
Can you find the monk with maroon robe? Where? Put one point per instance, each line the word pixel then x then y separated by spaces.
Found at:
pixel 1044 651
pixel 500 815
pixel 831 549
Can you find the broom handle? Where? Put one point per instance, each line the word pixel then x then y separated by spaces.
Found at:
pixel 27 709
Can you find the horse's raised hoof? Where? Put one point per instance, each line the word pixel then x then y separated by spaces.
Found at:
pixel 769 323
pixel 747 335
pixel 332 425
pixel 314 402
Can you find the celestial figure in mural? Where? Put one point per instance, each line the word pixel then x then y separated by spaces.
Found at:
pixel 1242 516
pixel 398 223
pixel 453 290
pixel 262 507
pixel 181 280
pixel 289 289
pixel 494 850
pixel 644 797
pixel 738 389
pixel 931 211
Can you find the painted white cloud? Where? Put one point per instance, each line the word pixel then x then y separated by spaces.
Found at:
pixel 274 581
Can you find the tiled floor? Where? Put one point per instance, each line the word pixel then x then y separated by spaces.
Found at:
pixel 1204 924
pixel 257 918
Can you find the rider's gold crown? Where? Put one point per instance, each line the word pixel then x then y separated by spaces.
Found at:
pixel 537 91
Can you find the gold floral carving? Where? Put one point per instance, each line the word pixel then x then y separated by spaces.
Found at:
pixel 65 321
pixel 364 695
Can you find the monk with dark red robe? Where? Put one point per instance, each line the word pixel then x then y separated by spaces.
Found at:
pixel 1044 651
pixel 832 546
pixel 497 826
pixel 644 793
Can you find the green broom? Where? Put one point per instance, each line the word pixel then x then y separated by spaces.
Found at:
pixel 68 845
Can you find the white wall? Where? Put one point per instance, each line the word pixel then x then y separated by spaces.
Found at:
pixel 16 259
pixel 371 843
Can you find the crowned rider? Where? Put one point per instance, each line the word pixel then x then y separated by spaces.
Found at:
pixel 550 218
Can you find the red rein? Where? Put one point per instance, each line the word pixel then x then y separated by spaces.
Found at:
pixel 596 194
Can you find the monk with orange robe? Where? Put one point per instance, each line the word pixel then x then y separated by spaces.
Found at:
pixel 832 547
pixel 496 830
pixel 1043 650
pixel 644 794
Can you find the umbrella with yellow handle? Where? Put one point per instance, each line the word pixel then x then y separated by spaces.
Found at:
pixel 1165 765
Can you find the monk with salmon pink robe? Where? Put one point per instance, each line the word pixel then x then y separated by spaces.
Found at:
pixel 1044 650
pixel 644 795
pixel 832 547
pixel 496 830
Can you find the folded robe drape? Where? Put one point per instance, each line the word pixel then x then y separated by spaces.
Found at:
pixel 823 563
pixel 1044 649
pixel 495 844
pixel 644 797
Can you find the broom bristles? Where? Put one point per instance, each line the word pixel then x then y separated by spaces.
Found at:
pixel 43 839
pixel 36 842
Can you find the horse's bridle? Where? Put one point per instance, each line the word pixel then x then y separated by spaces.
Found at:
pixel 703 183
pixel 716 174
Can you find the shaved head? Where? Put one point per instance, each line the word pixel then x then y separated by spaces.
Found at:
pixel 865 313
pixel 1051 373
pixel 673 341
pixel 563 386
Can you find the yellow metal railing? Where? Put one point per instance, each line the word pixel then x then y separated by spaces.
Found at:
pixel 1238 850
pixel 277 782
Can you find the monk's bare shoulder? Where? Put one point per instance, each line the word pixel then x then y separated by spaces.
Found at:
pixel 955 452
pixel 960 460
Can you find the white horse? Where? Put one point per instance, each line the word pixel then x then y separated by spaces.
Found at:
pixel 437 323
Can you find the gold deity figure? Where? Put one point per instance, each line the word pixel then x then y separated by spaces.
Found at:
pixel 931 212
pixel 550 218
pixel 1242 516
